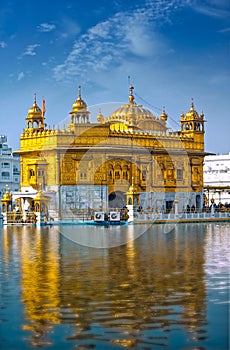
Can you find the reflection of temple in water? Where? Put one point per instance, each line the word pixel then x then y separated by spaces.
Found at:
pixel 39 260
pixel 165 279
pixel 154 282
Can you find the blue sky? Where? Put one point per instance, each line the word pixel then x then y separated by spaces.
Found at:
pixel 172 50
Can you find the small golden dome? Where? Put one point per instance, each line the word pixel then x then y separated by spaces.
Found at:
pixel 132 188
pixel 34 111
pixel 163 115
pixel 202 115
pixel 192 114
pixel 100 117
pixel 79 104
pixel 7 195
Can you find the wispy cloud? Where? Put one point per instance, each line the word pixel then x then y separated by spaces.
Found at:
pixel 69 28
pixel 126 34
pixel 46 27
pixel 30 50
pixel 3 44
pixel 129 36
pixel 21 76
pixel 224 30
pixel 212 8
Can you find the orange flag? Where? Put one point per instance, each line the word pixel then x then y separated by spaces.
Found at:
pixel 43 107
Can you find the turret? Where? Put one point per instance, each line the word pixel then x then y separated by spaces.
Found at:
pixel 192 121
pixel 79 113
pixel 35 118
pixel 193 124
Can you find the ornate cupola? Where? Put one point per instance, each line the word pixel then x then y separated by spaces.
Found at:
pixel 192 122
pixel 35 118
pixel 79 113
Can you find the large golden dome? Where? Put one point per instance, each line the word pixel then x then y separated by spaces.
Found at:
pixel 136 115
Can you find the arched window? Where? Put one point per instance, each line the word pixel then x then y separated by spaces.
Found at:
pixel 198 201
pixel 117 174
pixel 125 174
pixel 37 207
pixel 31 173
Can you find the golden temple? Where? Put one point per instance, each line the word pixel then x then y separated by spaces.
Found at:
pixel 129 158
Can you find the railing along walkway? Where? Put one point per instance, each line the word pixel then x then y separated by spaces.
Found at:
pixel 182 216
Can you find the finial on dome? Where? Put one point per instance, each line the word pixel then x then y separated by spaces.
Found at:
pixel 192 103
pixel 131 88
pixel 164 116
pixel 131 97
pixel 35 98
pixel 79 91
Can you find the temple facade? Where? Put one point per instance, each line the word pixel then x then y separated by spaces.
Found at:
pixel 130 158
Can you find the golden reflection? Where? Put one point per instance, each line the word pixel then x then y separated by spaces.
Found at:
pixel 39 277
pixel 153 282
pixel 130 252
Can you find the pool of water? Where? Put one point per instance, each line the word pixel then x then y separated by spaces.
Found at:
pixel 149 288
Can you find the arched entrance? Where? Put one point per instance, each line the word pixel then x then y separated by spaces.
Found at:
pixel 117 199
pixel 198 201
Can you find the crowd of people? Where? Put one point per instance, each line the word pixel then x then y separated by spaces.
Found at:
pixel 217 207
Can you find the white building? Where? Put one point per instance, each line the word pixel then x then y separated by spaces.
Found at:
pixel 9 168
pixel 217 178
